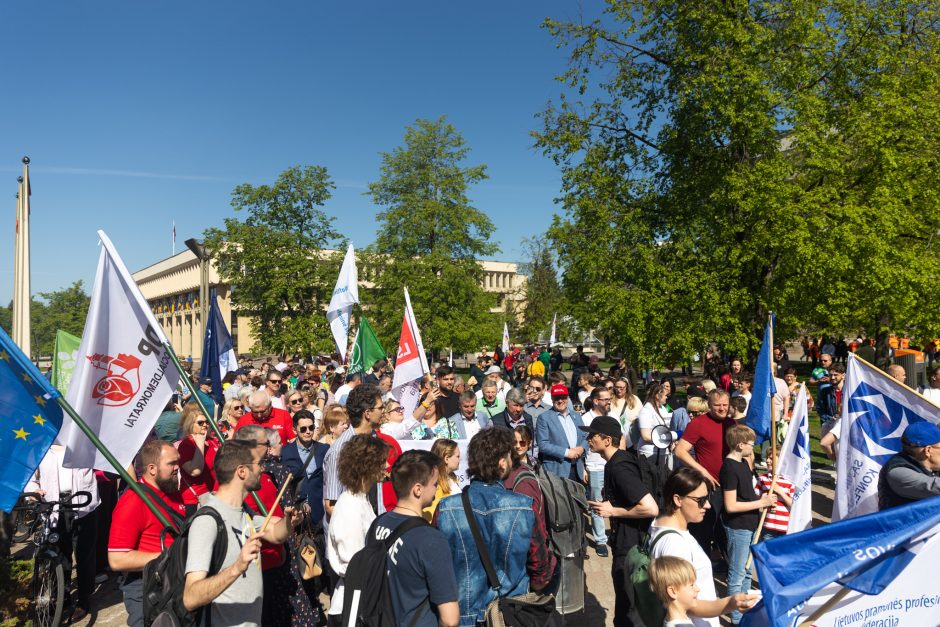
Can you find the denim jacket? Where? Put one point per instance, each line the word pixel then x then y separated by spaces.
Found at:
pixel 505 520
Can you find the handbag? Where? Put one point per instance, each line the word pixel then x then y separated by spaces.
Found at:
pixel 310 562
pixel 526 610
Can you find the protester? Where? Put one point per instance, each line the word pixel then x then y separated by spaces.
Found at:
pixel 468 421
pixel 294 401
pixel 448 402
pixel 167 427
pixel 274 387
pixel 561 445
pixel 535 403
pixel 195 449
pixel 514 414
pixel 136 530
pixel 742 389
pixel 232 412
pixel 204 394
pixel 335 422
pixel 448 453
pixel 265 414
pixel 820 374
pixel 629 506
pixel 655 413
pixel 304 459
pixel 522 449
pixel 234 593
pixel 742 506
pixel 489 399
pixel 673 581
pixel 932 391
pixel 737 408
pixel 361 465
pixel 421 578
pixel 778 518
pixel 506 521
pixel 625 406
pixel 594 466
pixel 896 371
pixel 914 473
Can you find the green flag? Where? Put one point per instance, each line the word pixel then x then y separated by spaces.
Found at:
pixel 366 348
pixel 63 360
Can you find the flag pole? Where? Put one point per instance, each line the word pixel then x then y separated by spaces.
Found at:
pixel 888 376
pixel 773 439
pixel 828 605
pixel 122 472
pixel 210 416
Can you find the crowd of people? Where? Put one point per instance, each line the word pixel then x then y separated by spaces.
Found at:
pixel 679 478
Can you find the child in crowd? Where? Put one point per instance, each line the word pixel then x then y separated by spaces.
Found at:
pixel 738 409
pixel 673 581
pixel 778 518
pixel 742 507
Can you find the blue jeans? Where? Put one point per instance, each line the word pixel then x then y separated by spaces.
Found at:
pixel 596 487
pixel 739 546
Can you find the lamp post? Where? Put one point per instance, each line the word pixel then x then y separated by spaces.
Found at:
pixel 203 256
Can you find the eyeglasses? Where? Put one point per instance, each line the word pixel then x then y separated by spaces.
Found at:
pixel 397 410
pixel 263 444
pixel 305 429
pixel 296 401
pixel 535 388
pixel 202 423
pixel 274 380
pixel 701 501
pixel 238 407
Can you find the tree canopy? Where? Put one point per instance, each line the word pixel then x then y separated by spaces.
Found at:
pixel 274 262
pixel 64 309
pixel 721 161
pixel 429 239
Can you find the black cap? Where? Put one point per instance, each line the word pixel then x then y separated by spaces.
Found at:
pixel 696 390
pixel 605 425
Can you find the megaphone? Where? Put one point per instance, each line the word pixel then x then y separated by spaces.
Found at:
pixel 663 437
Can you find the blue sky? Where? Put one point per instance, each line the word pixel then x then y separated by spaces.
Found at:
pixel 138 114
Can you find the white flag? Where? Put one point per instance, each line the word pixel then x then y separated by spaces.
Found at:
pixel 794 465
pixel 411 364
pixel 552 340
pixel 876 409
pixel 450 358
pixel 124 376
pixel 345 295
pixel 505 338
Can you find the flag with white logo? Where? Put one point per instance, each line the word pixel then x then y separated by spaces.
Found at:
pixel 876 409
pixel 794 465
pixel 411 364
pixel 218 352
pixel 345 295
pixel 124 376
pixel 505 338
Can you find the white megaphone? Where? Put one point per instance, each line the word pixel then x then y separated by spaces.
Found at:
pixel 663 437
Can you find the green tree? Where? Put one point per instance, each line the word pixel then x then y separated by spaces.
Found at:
pixel 543 294
pixel 274 259
pixel 725 160
pixel 64 310
pixel 429 239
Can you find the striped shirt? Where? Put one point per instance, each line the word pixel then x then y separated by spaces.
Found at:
pixel 778 518
pixel 332 487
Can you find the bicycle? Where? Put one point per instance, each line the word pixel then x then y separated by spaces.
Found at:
pixel 52 563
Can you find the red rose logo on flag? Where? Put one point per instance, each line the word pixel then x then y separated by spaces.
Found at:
pixel 121 381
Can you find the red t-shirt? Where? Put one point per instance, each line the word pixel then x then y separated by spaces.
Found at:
pixel 279 419
pixel 271 554
pixel 707 437
pixel 135 528
pixel 388 490
pixel 192 487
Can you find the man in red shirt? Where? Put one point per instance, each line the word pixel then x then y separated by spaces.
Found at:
pixel 706 434
pixel 135 530
pixel 265 415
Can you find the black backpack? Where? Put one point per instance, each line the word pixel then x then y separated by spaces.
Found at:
pixel 165 577
pixel 652 475
pixel 366 581
pixel 564 504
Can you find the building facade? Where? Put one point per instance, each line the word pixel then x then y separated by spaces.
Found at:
pixel 171 287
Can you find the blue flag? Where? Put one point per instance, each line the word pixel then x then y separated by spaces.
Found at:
pixel 760 409
pixel 218 351
pixel 30 420
pixel 864 554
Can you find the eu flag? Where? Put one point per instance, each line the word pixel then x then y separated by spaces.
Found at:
pixel 30 419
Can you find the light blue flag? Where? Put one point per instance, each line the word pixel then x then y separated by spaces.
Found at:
pixel 760 409
pixel 30 419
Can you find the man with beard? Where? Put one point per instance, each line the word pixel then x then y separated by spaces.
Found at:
pixel 135 530
pixel 234 592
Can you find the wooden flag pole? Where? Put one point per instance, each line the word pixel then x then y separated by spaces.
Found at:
pixel 828 605
pixel 276 501
pixel 772 466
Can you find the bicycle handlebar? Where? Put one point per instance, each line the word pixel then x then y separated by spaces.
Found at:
pixel 67 501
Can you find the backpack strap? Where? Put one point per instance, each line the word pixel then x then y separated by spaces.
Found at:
pixel 656 540
pixel 159 502
pixel 522 476
pixel 481 546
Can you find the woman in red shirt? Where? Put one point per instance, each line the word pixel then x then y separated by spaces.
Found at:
pixel 195 449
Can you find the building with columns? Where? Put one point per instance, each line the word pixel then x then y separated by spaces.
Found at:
pixel 171 287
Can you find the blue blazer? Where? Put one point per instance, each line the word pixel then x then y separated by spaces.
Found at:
pixel 311 486
pixel 458 420
pixel 552 441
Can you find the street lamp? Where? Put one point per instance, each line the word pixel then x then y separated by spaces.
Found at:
pixel 203 256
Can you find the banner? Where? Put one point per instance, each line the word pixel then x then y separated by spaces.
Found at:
pixel 883 563
pixel 463 476
pixel 218 352
pixel 794 465
pixel 345 295
pixel 876 409
pixel 64 356
pixel 366 348
pixel 760 409
pixel 411 364
pixel 505 338
pixel 123 377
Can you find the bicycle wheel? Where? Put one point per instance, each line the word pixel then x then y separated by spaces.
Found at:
pixel 24 525
pixel 49 590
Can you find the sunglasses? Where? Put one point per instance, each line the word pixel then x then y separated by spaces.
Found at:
pixel 296 401
pixel 238 407
pixel 305 429
pixel 699 500
pixel 274 380
pixel 202 423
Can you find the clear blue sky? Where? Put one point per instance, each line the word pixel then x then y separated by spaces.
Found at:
pixel 138 114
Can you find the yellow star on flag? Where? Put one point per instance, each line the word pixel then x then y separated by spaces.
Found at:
pixel 26 378
pixel 40 401
pixel 5 356
pixel 39 420
pixel 20 434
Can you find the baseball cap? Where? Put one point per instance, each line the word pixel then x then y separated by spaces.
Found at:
pixel 922 434
pixel 559 390
pixel 605 425
pixel 494 370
